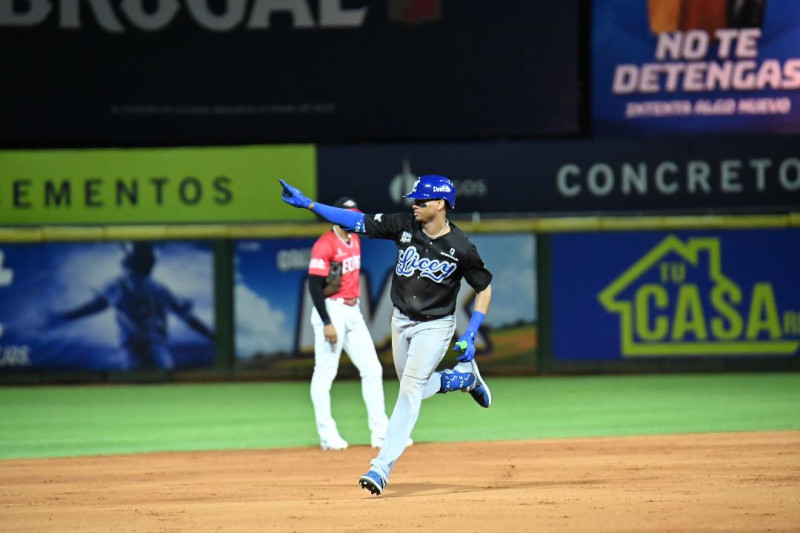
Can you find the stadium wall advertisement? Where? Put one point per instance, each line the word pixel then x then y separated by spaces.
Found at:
pixel 575 176
pixel 152 186
pixel 176 72
pixel 108 306
pixel 272 307
pixel 685 67
pixel 688 294
pixel 218 185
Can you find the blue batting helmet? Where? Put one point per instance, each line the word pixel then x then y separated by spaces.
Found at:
pixel 433 187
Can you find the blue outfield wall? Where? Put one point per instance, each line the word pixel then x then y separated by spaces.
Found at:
pixel 272 308
pixel 578 301
pixel 83 311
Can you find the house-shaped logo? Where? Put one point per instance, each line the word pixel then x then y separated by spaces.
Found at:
pixel 677 301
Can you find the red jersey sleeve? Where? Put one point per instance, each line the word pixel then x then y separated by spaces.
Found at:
pixel 321 253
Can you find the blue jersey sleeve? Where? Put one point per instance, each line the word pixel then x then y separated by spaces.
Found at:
pixel 347 219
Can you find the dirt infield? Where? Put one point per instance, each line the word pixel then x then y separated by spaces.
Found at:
pixel 707 482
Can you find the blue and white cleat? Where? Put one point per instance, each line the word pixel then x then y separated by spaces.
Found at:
pixel 480 390
pixel 453 380
pixel 373 482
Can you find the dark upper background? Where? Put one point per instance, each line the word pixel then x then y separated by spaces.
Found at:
pixel 494 94
pixel 412 70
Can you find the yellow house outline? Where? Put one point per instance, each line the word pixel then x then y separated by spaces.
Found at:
pixel 689 251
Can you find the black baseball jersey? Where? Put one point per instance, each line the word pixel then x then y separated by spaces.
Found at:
pixel 428 272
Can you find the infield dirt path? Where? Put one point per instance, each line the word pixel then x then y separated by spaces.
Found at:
pixel 707 482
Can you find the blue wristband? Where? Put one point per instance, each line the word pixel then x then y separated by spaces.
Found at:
pixel 475 321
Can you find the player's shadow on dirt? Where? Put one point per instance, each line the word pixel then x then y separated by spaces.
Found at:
pixel 414 489
pixel 429 489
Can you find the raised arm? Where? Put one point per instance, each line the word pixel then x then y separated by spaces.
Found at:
pixel 347 219
pixel 95 305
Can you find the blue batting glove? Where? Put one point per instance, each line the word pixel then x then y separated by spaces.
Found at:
pixel 293 196
pixel 467 345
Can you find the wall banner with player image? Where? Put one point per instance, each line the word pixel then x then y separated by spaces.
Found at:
pixel 272 306
pixel 680 295
pixel 685 66
pixel 107 306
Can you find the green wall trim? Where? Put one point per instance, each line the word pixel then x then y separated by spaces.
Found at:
pixel 311 229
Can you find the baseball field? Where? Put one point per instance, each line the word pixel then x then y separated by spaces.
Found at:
pixel 688 452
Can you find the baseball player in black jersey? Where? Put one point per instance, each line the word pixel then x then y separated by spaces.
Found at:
pixel 433 256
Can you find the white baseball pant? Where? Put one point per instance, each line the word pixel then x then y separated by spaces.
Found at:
pixel 354 337
pixel 418 348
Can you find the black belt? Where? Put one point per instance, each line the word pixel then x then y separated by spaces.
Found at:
pixel 417 317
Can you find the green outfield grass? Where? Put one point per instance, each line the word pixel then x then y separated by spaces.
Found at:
pixel 89 420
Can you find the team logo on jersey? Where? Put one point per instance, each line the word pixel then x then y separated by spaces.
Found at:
pixel 409 262
pixel 405 238
pixel 378 217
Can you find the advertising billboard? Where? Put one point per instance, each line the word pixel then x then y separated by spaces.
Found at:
pixel 685 294
pixel 111 306
pixel 695 67
pixel 272 304
pixel 152 186
pixel 206 72
pixel 754 175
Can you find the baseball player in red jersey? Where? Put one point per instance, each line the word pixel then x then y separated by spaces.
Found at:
pixel 334 271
